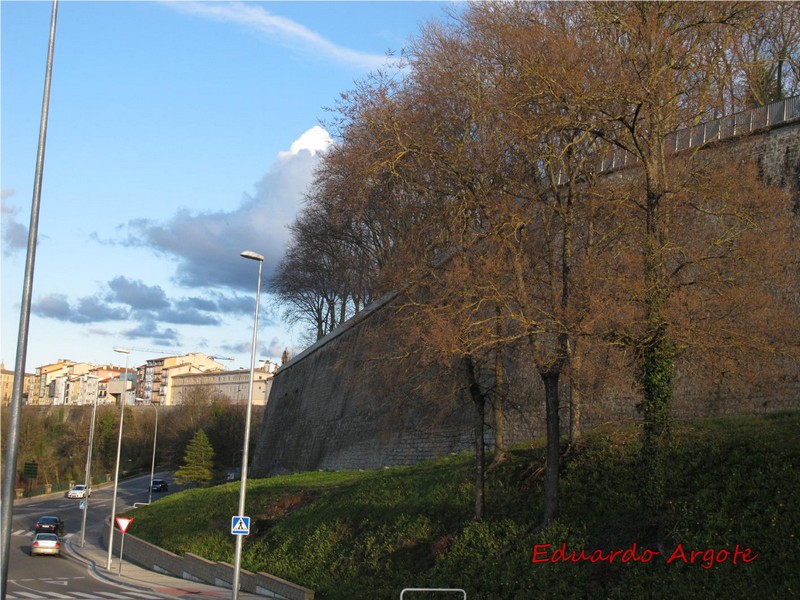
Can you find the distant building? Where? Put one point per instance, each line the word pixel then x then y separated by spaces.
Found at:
pixel 154 378
pixel 119 387
pixel 68 382
pixel 70 385
pixel 165 381
pixel 109 376
pixel 7 385
pixel 232 385
pixel 83 389
pixel 44 389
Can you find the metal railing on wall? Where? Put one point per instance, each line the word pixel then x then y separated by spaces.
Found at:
pixel 742 123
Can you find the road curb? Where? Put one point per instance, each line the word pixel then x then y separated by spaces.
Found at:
pixel 99 572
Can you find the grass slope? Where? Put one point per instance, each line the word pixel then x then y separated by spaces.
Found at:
pixel 353 535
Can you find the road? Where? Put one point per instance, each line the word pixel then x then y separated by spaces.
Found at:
pixel 45 577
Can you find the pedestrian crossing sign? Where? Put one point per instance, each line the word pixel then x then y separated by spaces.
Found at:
pixel 240 525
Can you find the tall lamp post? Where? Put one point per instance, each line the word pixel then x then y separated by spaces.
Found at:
pixel 88 478
pixel 15 409
pixel 243 481
pixel 119 450
pixel 153 464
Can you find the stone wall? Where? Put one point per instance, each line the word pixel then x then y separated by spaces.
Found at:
pixel 335 407
pixel 330 409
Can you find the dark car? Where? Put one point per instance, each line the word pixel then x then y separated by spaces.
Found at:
pixel 50 524
pixel 159 485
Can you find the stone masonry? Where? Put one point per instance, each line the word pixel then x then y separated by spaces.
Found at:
pixel 330 410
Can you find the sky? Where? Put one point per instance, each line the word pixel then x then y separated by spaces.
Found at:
pixel 179 135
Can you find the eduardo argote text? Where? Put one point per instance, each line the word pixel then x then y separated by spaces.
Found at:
pixel 706 558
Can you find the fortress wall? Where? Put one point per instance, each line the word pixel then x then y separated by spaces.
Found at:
pixel 777 152
pixel 332 407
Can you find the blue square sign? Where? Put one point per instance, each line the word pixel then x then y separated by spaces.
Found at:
pixel 240 525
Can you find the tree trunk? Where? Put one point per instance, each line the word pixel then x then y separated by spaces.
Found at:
pixel 656 384
pixel 479 404
pixel 550 379
pixel 499 405
pixel 575 412
pixel 575 395
pixel 655 377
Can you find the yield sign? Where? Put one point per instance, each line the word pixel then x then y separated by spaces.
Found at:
pixel 123 522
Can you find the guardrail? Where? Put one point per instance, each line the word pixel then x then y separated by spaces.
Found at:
pixel 742 123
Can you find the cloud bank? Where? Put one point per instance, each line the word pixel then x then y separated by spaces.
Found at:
pixel 205 247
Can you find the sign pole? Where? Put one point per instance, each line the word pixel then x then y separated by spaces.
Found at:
pixel 123 523
pixel 121 544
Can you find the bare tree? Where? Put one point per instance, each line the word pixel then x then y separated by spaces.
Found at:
pixel 769 53
pixel 652 81
pixel 469 184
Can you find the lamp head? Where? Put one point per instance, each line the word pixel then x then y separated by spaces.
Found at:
pixel 252 255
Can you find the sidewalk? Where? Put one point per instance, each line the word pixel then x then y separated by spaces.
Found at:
pixel 95 555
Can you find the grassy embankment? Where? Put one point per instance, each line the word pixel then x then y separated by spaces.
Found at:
pixel 353 535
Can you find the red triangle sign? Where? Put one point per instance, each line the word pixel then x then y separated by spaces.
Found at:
pixel 123 522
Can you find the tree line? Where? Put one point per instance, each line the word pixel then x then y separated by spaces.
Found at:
pixel 57 439
pixel 465 181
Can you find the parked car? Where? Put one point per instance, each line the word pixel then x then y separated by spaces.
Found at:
pixel 79 491
pixel 49 524
pixel 159 485
pixel 46 543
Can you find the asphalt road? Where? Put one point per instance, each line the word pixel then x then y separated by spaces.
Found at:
pixel 45 577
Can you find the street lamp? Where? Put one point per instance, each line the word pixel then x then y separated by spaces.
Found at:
pixel 88 479
pixel 14 417
pixel 243 481
pixel 119 450
pixel 153 464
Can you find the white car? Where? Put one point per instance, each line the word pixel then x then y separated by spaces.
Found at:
pixel 79 491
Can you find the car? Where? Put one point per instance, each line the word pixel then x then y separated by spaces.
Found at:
pixel 79 491
pixel 49 524
pixel 46 543
pixel 159 485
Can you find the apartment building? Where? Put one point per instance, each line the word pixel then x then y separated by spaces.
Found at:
pixel 121 388
pixel 43 387
pixel 109 386
pixel 82 389
pixel 234 386
pixel 68 382
pixel 165 381
pixel 155 377
pixel 7 385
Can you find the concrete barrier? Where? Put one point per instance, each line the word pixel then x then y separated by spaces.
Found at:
pixel 197 568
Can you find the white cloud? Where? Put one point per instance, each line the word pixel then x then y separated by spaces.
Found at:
pixel 315 140
pixel 207 245
pixel 285 30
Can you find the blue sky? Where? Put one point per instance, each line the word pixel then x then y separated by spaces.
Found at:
pixel 179 135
